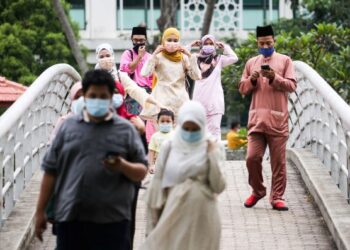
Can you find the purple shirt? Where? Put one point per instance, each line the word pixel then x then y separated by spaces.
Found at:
pixel 126 59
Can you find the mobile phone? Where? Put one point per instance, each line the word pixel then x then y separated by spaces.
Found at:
pixel 110 157
pixel 265 67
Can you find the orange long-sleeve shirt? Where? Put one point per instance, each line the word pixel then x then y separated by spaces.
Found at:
pixel 269 107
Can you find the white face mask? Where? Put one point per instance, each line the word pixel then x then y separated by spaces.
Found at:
pixel 117 100
pixel 171 46
pixel 78 105
pixel 106 63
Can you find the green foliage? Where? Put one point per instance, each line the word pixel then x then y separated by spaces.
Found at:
pixel 329 11
pixel 243 133
pixel 31 39
pixel 326 49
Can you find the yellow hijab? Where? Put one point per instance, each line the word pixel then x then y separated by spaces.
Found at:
pixel 174 56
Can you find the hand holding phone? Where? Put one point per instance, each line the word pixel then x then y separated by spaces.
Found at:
pixel 112 157
pixel 265 67
pixel 267 72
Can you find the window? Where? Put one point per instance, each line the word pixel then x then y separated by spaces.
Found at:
pixel 77 12
pixel 259 4
pixel 137 12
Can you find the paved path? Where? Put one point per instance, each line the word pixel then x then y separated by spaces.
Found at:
pixel 301 227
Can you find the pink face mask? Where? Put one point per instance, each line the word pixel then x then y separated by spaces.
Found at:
pixel 106 63
pixel 171 46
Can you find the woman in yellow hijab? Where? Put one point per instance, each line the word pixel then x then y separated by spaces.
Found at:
pixel 171 46
pixel 170 62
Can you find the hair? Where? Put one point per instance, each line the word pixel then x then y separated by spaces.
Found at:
pixel 234 124
pixel 98 77
pixel 166 113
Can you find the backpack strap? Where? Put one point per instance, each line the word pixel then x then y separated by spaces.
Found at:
pixel 132 59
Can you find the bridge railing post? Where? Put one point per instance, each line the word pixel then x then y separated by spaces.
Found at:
pixel 25 128
pixel 319 120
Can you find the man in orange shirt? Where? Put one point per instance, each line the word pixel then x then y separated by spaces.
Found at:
pixel 269 78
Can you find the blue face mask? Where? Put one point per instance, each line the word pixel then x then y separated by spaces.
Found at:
pixel 165 127
pixel 266 52
pixel 97 107
pixel 191 137
pixel 77 105
pixel 117 100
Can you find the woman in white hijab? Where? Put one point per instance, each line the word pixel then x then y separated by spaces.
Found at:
pixel 182 198
pixel 105 60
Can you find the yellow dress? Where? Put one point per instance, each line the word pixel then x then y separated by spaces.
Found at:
pixel 170 89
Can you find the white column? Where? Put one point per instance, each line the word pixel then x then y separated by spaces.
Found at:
pixel 102 19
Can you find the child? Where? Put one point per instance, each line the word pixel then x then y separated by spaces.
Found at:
pixel 165 122
pixel 234 140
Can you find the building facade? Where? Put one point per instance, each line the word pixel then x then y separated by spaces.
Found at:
pixel 112 20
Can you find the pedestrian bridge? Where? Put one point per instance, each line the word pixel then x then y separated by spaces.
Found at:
pixel 318 188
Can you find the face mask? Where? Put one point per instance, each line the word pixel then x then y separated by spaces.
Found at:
pixel 165 127
pixel 117 100
pixel 97 107
pixel 171 47
pixel 78 105
pixel 191 137
pixel 137 46
pixel 106 63
pixel 266 52
pixel 208 49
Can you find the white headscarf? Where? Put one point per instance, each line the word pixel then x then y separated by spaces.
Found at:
pixel 187 159
pixel 109 48
pixel 105 46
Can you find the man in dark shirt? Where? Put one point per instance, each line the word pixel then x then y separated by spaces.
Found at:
pixel 91 168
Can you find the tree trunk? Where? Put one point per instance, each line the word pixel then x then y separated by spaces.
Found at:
pixel 208 16
pixel 68 31
pixel 168 10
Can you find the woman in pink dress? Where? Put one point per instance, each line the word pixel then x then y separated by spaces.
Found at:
pixel 208 91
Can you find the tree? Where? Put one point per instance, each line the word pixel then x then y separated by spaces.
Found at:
pixel 31 39
pixel 208 16
pixel 331 11
pixel 67 28
pixel 167 18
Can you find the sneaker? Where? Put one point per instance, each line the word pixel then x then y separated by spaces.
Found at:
pixel 251 201
pixel 279 205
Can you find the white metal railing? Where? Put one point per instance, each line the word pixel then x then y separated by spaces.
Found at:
pixel 319 119
pixel 25 128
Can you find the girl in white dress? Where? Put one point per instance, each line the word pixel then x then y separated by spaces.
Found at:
pixel 182 210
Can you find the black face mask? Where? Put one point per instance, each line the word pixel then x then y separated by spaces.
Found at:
pixel 137 46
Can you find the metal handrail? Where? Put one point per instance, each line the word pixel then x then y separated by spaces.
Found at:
pixel 25 128
pixel 319 119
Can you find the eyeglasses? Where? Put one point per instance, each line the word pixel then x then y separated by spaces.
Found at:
pixel 138 40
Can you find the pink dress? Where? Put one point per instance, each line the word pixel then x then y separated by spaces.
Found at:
pixel 209 92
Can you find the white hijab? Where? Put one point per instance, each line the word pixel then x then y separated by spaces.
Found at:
pixel 186 159
pixel 109 48
pixel 105 46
